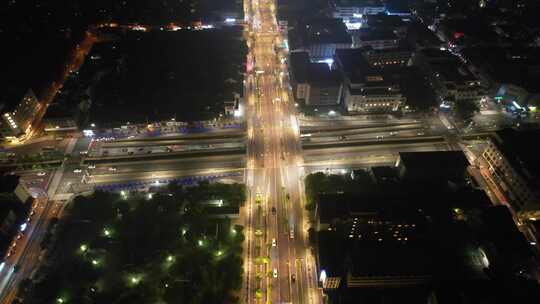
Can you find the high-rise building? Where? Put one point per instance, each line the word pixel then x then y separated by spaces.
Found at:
pixel 17 118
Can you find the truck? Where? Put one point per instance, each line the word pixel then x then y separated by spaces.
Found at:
pixel 291 226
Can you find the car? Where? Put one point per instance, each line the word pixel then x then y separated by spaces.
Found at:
pixel 274 243
pixel 112 168
pixel 91 166
pixel 393 133
pixel 420 133
pixel 77 171
pixel 291 233
pixel 293 278
pixel 274 273
pixel 273 210
pixel 379 137
pixel 42 173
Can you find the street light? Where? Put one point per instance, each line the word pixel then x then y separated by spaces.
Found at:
pixel 83 247
pixel 106 232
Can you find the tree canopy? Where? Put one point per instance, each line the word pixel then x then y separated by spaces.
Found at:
pixel 114 248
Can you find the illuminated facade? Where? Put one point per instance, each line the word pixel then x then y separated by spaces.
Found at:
pixel 353 9
pixel 17 119
pixel 512 165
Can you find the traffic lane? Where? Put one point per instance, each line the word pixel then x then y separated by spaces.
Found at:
pixel 351 152
pixel 209 133
pixel 374 135
pixel 158 176
pixel 290 223
pixel 314 122
pixel 25 245
pixel 127 144
pixel 232 162
pixel 37 146
pixel 365 130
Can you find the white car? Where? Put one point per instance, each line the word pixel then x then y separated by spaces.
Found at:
pixel 274 273
pixel 91 166
pixel 77 171
pixel 274 243
pixel 42 173
pixel 112 168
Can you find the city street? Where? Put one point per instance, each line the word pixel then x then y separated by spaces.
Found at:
pixel 279 268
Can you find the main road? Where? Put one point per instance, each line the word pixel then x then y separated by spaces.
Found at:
pixel 279 267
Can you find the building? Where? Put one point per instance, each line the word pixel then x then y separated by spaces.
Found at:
pixel 512 74
pixel 14 209
pixel 324 86
pixel 315 84
pixel 59 121
pixel 320 37
pixel 367 89
pixel 449 77
pixel 18 118
pixel 385 22
pixel 7 220
pixel 360 240
pixel 433 167
pixel 404 234
pixel 512 162
pixel 11 185
pixel 351 10
pixel 376 39
pixel 398 57
pixel 420 37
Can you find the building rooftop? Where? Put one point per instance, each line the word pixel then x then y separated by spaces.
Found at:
pixel 449 71
pixel 373 91
pixel 518 148
pixel 299 62
pixel 374 35
pixel 321 74
pixel 447 165
pixel 518 66
pixel 504 235
pixel 324 31
pixel 381 21
pixel 8 183
pixel 11 97
pixel 385 175
pixel 437 54
pixel 304 71
pixel 340 256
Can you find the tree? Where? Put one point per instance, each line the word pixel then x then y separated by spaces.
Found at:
pixel 113 249
pixel 465 109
